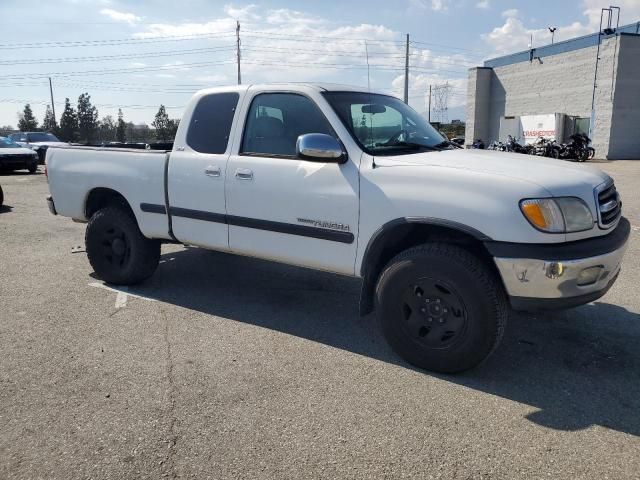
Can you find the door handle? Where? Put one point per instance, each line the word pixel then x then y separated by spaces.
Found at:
pixel 244 174
pixel 212 171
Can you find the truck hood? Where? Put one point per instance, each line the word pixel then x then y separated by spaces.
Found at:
pixel 558 177
pixel 48 144
pixel 16 151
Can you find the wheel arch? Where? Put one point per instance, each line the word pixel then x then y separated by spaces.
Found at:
pixel 400 234
pixel 101 197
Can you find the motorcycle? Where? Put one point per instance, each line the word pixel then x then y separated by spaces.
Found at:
pixel 581 146
pixel 546 148
pixel 478 144
pixel 577 149
pixel 497 146
pixel 513 146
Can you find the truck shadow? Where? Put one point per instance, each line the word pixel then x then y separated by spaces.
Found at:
pixel 578 367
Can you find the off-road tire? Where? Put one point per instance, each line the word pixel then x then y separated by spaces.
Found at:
pixel 473 290
pixel 32 168
pixel 140 255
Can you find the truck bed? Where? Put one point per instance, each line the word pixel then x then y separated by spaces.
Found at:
pixel 136 174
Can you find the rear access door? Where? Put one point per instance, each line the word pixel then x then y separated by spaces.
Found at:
pixel 197 170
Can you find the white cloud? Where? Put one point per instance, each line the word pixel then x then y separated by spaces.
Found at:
pixel 212 79
pixel 178 29
pixel 288 45
pixel 484 4
pixel 285 15
pixel 629 11
pixel 125 17
pixel 242 13
pixel 435 5
pixel 511 13
pixel 438 5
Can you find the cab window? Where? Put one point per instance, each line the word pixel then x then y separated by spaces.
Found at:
pixel 276 120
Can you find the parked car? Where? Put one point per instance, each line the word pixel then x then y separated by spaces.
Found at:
pixel 15 157
pixel 37 141
pixel 357 183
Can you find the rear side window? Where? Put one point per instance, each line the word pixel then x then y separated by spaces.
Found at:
pixel 211 123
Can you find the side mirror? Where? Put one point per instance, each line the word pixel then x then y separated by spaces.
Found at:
pixel 318 147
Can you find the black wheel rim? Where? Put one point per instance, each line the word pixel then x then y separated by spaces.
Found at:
pixel 116 248
pixel 433 314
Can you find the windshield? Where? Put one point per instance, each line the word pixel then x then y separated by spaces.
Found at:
pixel 384 125
pixel 7 143
pixel 42 137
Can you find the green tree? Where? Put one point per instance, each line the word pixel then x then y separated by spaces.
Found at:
pixel 87 118
pixel 49 121
pixel 162 124
pixel 121 135
pixel 6 130
pixel 107 129
pixel 26 121
pixel 174 123
pixel 68 123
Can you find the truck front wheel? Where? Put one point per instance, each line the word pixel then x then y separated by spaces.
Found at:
pixel 117 250
pixel 441 308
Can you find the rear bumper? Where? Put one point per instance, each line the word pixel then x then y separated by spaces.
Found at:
pixel 561 276
pixel 51 205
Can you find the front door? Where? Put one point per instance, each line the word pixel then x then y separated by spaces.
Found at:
pixel 287 209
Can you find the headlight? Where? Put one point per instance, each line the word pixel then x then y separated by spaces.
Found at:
pixel 558 215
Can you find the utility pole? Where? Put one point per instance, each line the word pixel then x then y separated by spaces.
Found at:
pixel 238 50
pixel 406 72
pixel 53 107
pixel 429 103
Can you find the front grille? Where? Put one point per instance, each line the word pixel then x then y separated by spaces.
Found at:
pixel 609 205
pixel 16 158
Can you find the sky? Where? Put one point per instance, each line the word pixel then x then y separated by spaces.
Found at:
pixel 137 55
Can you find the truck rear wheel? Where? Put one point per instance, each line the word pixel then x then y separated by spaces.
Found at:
pixel 441 308
pixel 117 250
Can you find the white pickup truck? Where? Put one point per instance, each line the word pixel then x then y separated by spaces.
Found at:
pixel 357 183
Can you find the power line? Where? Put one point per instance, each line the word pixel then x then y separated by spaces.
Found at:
pixel 322 37
pixel 101 105
pixel 168 53
pixel 121 41
pixel 117 70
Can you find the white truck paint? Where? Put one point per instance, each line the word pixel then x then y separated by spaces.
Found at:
pixel 351 216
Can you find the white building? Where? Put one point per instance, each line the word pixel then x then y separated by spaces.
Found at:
pixel 569 87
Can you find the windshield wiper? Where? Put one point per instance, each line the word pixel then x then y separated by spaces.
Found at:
pixel 445 144
pixel 410 145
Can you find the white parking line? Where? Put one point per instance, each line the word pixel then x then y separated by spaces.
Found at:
pixel 122 296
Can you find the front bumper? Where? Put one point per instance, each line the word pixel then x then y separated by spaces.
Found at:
pixel 564 275
pixel 17 162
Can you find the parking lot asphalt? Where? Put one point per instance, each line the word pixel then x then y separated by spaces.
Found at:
pixel 229 367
